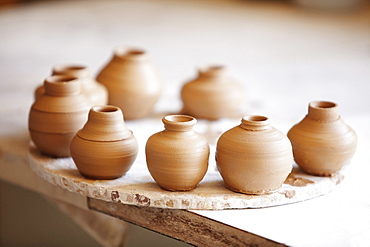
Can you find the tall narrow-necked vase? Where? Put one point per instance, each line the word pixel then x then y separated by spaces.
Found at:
pixel 177 157
pixel 322 142
pixel 104 148
pixel 213 94
pixel 57 114
pixel 254 157
pixel 132 82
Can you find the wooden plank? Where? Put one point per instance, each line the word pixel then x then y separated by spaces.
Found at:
pixel 182 225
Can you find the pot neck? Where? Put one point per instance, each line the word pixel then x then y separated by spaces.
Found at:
pixel 179 123
pixel 323 111
pixel 72 70
pixel 105 123
pixel 255 123
pixel 62 85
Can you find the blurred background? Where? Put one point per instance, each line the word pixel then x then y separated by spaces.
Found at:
pixel 285 53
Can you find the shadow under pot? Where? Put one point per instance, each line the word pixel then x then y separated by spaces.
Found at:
pixel 177 157
pixel 57 114
pixel 322 142
pixel 104 148
pixel 254 157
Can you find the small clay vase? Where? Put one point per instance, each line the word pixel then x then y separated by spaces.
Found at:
pixel 322 142
pixel 212 95
pixel 254 157
pixel 177 157
pixel 132 82
pixel 104 148
pixel 57 114
pixel 95 92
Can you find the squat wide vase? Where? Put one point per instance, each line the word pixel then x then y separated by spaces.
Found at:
pixel 322 142
pixel 177 157
pixel 104 148
pixel 132 82
pixel 214 94
pixel 254 157
pixel 57 114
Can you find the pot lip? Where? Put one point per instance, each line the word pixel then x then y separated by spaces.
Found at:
pixel 130 53
pixel 105 109
pixel 212 70
pixel 255 122
pixel 77 70
pixel 323 105
pixel 61 79
pixel 179 122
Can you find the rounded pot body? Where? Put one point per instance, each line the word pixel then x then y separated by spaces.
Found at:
pixel 104 148
pixel 94 91
pixel 212 95
pixel 132 82
pixel 57 114
pixel 177 157
pixel 254 157
pixel 322 142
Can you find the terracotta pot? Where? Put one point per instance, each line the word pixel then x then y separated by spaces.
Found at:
pixel 132 82
pixel 95 92
pixel 254 157
pixel 104 148
pixel 57 114
pixel 213 94
pixel 322 142
pixel 177 157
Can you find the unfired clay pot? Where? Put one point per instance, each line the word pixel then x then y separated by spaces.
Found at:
pixel 104 148
pixel 322 142
pixel 212 95
pixel 57 114
pixel 95 92
pixel 254 157
pixel 132 82
pixel 177 157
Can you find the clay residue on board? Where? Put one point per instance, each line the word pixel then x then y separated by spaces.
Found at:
pixel 297 182
pixel 288 193
pixel 115 196
pixel 142 200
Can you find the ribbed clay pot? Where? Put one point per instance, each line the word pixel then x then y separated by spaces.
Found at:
pixel 104 148
pixel 132 82
pixel 57 114
pixel 94 91
pixel 254 157
pixel 177 157
pixel 322 142
pixel 212 95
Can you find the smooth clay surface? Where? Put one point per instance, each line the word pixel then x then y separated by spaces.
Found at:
pixel 322 142
pixel 104 148
pixel 177 157
pixel 132 81
pixel 213 94
pixel 254 157
pixel 57 114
